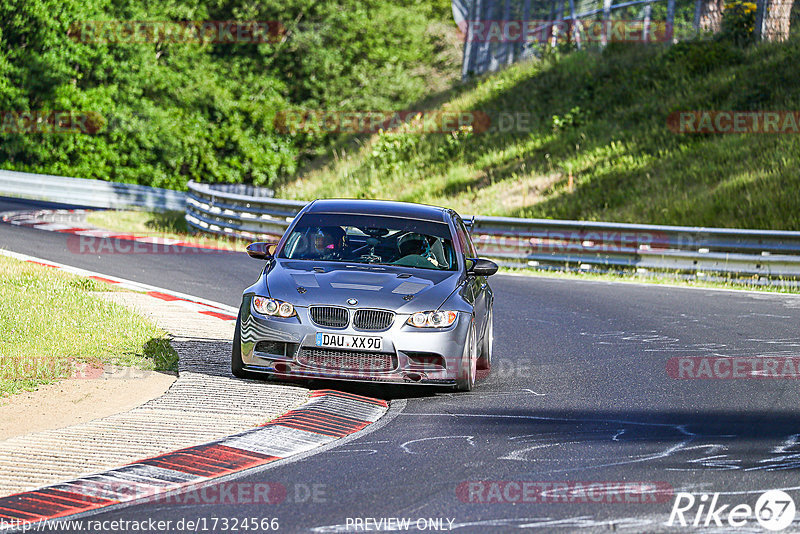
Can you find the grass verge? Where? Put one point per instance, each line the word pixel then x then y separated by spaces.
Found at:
pixel 51 321
pixel 169 225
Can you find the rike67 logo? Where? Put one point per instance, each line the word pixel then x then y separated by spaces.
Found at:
pixel 774 510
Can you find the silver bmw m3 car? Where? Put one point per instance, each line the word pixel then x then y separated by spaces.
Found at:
pixel 368 290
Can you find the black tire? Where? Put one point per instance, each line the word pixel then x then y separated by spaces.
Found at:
pixel 469 359
pixel 237 366
pixel 487 344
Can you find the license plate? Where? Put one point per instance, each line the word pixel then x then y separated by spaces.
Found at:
pixel 344 341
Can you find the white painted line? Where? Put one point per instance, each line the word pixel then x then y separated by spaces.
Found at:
pixel 151 475
pixel 338 406
pixel 51 227
pixel 278 440
pixel 97 233
pixel 158 240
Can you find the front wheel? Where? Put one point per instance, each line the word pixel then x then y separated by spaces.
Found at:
pixel 237 366
pixel 469 359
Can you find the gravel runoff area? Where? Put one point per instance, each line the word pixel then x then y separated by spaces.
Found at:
pixel 205 403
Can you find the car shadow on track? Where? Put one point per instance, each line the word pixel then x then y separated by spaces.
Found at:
pixel 379 390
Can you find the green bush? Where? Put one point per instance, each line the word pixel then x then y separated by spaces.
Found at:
pixel 738 21
pixel 392 150
pixel 169 112
pixel 571 119
pixel 702 57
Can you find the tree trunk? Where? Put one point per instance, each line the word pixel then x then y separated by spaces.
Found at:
pixel 777 18
pixel 711 15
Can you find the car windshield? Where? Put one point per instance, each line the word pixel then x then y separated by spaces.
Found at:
pixel 370 239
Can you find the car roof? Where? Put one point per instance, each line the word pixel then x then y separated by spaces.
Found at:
pixel 380 207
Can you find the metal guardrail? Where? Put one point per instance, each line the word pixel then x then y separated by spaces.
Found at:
pixel 546 243
pixel 92 193
pixel 251 213
pixel 222 210
pixel 609 246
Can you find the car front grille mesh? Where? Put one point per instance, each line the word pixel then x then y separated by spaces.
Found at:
pixel 373 319
pixel 347 360
pixel 331 316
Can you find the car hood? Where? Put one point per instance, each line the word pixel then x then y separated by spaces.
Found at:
pixel 374 286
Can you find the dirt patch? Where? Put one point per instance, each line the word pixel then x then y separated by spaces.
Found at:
pixel 526 191
pixel 77 400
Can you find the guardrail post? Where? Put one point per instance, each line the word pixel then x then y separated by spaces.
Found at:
pixel 559 18
pixel 508 46
pixel 526 18
pixel 670 29
pixel 573 25
pixel 698 6
pixel 759 30
pixel 481 46
pixel 606 21
pixel 493 49
pixel 469 47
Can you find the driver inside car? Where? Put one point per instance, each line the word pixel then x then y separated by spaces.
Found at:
pixel 328 242
pixel 415 245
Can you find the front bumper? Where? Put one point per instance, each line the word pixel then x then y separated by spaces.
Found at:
pixel 409 355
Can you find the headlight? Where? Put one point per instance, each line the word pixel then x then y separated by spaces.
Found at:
pixel 266 306
pixel 433 319
pixel 285 309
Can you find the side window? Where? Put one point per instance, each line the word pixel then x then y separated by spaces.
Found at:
pixel 473 253
pixel 464 242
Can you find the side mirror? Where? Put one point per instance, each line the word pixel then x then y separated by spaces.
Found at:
pixel 481 267
pixel 260 250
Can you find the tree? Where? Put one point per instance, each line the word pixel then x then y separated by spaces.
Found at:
pixel 708 15
pixel 773 18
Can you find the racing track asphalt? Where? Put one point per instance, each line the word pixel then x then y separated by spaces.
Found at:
pixel 579 392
